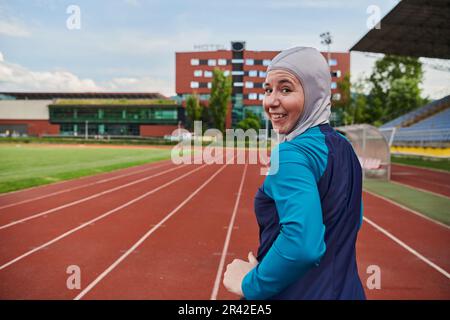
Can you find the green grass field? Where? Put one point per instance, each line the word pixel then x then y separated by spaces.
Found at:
pixel 433 206
pixel 441 164
pixel 23 166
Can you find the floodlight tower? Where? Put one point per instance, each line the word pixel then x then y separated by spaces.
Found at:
pixel 327 40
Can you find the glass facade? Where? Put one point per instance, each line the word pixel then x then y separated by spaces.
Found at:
pixel 144 115
pixel 109 120
pixel 237 113
pixel 79 129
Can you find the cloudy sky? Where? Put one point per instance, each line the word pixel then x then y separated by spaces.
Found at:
pixel 130 45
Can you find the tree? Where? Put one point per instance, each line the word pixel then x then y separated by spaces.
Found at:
pixel 193 110
pixel 251 121
pixel 220 97
pixel 394 88
pixel 353 104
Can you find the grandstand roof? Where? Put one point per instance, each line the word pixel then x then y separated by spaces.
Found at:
pixel 417 28
pixel 82 95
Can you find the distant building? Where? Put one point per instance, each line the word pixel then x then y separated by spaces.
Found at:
pixel 248 71
pixel 104 114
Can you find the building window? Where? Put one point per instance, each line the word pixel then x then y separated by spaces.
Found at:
pixel 195 62
pixel 198 73
pixel 336 74
pixel 252 96
pixel 222 62
pixel 262 74
pixel 253 73
pixel 249 84
pixel 209 85
pixel 332 62
pixel 333 85
pixel 261 96
pixel 226 73
pixel 194 84
pixel 208 74
pixel 237 73
pixel 266 62
pixel 238 84
pixel 249 62
pixel 211 62
pixel 237 60
pixel 336 96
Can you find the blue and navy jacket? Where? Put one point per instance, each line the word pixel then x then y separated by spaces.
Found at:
pixel 309 213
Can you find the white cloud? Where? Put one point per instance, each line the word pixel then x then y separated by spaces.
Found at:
pixel 142 84
pixel 18 78
pixel 13 28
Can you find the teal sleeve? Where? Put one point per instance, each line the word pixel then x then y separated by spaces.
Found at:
pixel 362 214
pixel 300 243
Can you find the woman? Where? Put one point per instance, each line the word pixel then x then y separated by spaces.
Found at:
pixel 310 210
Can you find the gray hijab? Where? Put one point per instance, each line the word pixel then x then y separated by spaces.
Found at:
pixel 311 69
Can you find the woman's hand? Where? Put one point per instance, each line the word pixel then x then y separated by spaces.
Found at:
pixel 236 272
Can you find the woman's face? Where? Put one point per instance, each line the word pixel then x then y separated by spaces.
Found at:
pixel 284 100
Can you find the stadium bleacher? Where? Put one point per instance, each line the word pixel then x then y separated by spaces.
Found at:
pixel 428 125
pixel 440 120
pixel 412 116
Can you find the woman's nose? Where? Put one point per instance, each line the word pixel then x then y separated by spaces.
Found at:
pixel 272 100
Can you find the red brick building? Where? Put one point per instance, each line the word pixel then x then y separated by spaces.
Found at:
pixel 248 71
pixel 100 113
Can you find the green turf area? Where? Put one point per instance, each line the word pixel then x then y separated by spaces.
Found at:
pixel 441 164
pixel 23 166
pixel 435 207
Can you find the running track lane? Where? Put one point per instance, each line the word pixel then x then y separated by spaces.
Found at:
pixel 430 180
pixel 178 261
pixel 42 275
pixel 425 236
pixel 245 235
pixel 23 237
pixel 403 274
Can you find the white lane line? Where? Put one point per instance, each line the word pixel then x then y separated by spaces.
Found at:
pixel 40 214
pixel 144 237
pixel 97 218
pixel 420 189
pixel 82 186
pixel 227 240
pixel 408 248
pixel 408 209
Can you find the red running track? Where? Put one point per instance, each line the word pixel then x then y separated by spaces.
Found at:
pixel 171 236
pixel 422 178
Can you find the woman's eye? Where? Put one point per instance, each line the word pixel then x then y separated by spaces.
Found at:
pixel 267 90
pixel 285 90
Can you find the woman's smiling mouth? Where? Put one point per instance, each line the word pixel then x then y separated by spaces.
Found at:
pixel 278 116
